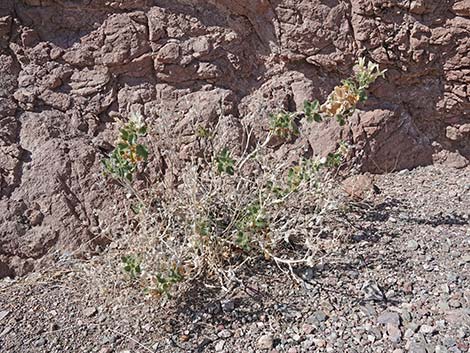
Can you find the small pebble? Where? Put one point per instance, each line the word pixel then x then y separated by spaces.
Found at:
pixel 427 329
pixel 412 245
pixel 219 346
pixel 394 333
pixel 319 342
pixel 389 317
pixel 265 342
pixel 228 305
pixel 3 314
pixel 89 312
pixel 224 334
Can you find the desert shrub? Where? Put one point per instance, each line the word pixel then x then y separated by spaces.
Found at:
pixel 225 163
pixel 282 124
pixel 128 153
pixel 131 265
pixel 342 102
pixel 231 210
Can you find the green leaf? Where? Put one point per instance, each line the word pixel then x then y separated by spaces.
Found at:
pixel 128 176
pixel 107 164
pixel 136 208
pixel 142 151
pixel 340 119
pixel 317 117
pixel 311 107
pixel 362 95
pixel 243 241
pixel 124 134
pixel 225 163
pixel 315 105
pixel 132 139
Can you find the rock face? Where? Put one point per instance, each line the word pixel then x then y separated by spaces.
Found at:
pixel 68 67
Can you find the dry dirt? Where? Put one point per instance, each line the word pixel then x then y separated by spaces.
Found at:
pixel 400 283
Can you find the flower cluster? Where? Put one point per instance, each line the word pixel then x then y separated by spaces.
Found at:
pixel 342 101
pixel 125 158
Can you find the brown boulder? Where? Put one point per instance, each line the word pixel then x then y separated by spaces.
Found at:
pixel 360 187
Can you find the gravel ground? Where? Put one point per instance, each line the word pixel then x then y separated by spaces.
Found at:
pixel 401 284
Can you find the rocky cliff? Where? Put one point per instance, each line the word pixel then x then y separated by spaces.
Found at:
pixel 67 68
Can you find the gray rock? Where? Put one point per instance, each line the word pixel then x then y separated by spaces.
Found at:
pixel 340 343
pixel 307 344
pixel 308 274
pixel 368 310
pixel 40 342
pixel 296 337
pixel 417 347
pixel 452 277
pixel 3 314
pixel 406 315
pixel 108 339
pixel 224 334
pixel 427 329
pixel 376 333
pixel 462 332
pixel 265 342
pixel 89 312
pixel 412 245
pixel 444 306
pixel 228 305
pixel 219 346
pixel 6 330
pixel 440 349
pixel 409 333
pixel 320 316
pixel 449 341
pixel 214 308
pixel 445 288
pixel 389 318
pixel 419 337
pixel 413 326
pixel 319 342
pixel 394 333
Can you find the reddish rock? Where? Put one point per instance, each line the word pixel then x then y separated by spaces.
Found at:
pixel 67 68
pixel 360 186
